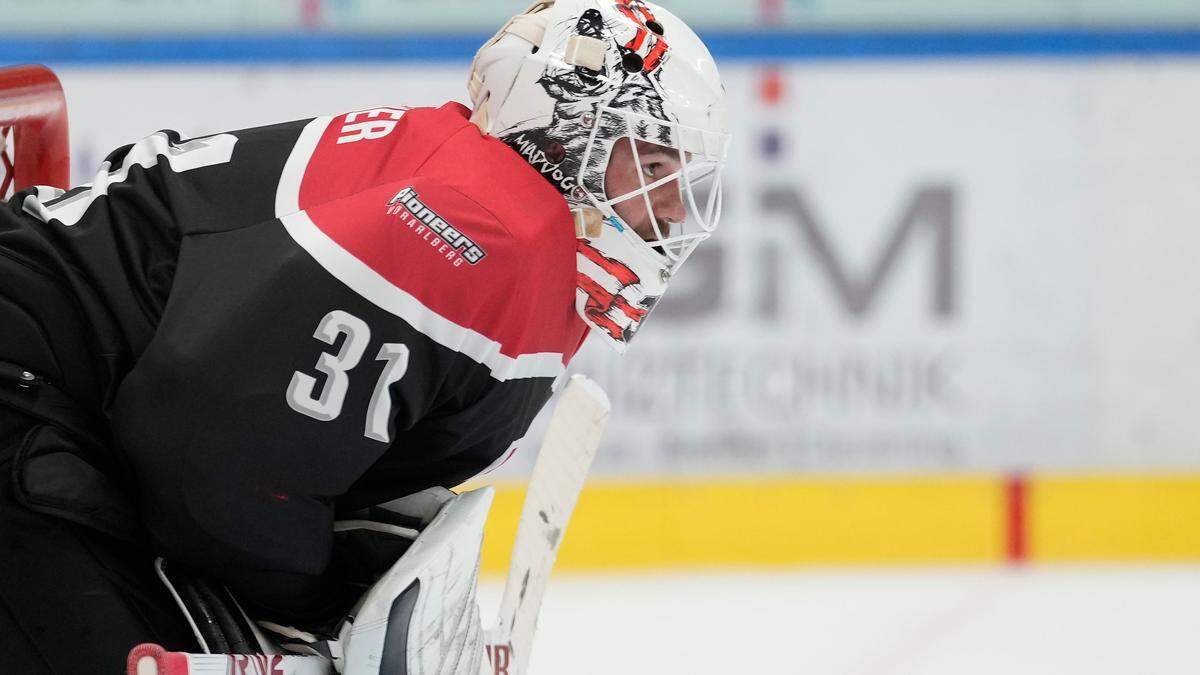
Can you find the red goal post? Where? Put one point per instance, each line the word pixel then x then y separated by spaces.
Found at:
pixel 34 149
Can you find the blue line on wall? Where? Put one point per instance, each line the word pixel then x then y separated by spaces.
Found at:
pixel 1062 43
pixel 726 45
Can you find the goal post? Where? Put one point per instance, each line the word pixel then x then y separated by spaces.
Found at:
pixel 34 147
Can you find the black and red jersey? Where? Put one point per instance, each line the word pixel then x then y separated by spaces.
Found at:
pixel 300 318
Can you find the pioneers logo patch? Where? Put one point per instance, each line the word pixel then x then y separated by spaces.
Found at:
pixel 428 225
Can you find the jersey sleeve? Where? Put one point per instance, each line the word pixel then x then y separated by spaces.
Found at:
pixel 115 241
pixel 209 183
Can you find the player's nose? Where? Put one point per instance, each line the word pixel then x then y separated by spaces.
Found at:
pixel 668 204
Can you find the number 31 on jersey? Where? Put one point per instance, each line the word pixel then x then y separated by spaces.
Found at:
pixel 302 394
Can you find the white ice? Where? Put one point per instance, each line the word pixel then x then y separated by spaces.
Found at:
pixel 975 621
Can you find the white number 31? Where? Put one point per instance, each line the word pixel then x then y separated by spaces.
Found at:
pixel 302 393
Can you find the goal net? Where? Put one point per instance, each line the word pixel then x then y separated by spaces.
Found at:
pixel 33 130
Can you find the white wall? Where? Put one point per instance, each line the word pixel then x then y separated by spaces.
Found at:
pixel 1066 193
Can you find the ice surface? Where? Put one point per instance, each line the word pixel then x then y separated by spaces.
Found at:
pixel 1056 620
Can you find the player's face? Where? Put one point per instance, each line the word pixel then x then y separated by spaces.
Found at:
pixel 653 162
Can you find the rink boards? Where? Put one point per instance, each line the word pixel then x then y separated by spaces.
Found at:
pixel 836 520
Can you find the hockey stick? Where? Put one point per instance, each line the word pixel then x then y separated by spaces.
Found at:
pixel 151 659
pixel 563 462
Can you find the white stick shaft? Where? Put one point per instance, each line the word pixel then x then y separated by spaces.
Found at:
pixel 563 462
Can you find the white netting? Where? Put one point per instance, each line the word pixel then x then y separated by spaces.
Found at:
pixel 34 147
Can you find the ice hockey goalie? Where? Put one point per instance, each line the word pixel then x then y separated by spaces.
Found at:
pixel 222 345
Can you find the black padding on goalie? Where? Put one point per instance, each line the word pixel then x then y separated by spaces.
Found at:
pixel 73 600
pixel 52 475
pixel 23 340
pixel 395 644
pixel 226 616
pixel 362 556
pixel 42 327
pixel 202 614
pixel 212 609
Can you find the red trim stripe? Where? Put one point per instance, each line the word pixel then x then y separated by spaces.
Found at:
pixel 1016 498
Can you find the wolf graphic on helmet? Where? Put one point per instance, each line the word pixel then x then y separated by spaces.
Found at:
pixel 557 149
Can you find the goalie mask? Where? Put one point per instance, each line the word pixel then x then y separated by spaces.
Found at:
pixel 619 105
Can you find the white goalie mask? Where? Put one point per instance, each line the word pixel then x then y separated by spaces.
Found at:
pixel 564 84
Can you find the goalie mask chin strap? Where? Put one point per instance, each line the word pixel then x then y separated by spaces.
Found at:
pixel 588 222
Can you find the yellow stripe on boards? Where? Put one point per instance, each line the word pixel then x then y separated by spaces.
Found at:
pixel 855 520
pixel 769 522
pixel 1115 518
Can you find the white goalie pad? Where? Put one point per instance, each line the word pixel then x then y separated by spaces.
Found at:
pixel 421 617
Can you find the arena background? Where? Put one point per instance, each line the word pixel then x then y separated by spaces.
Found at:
pixel 949 321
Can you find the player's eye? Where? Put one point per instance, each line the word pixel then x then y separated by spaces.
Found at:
pixel 652 169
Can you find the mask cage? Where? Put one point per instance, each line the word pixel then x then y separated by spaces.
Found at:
pixel 701 156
